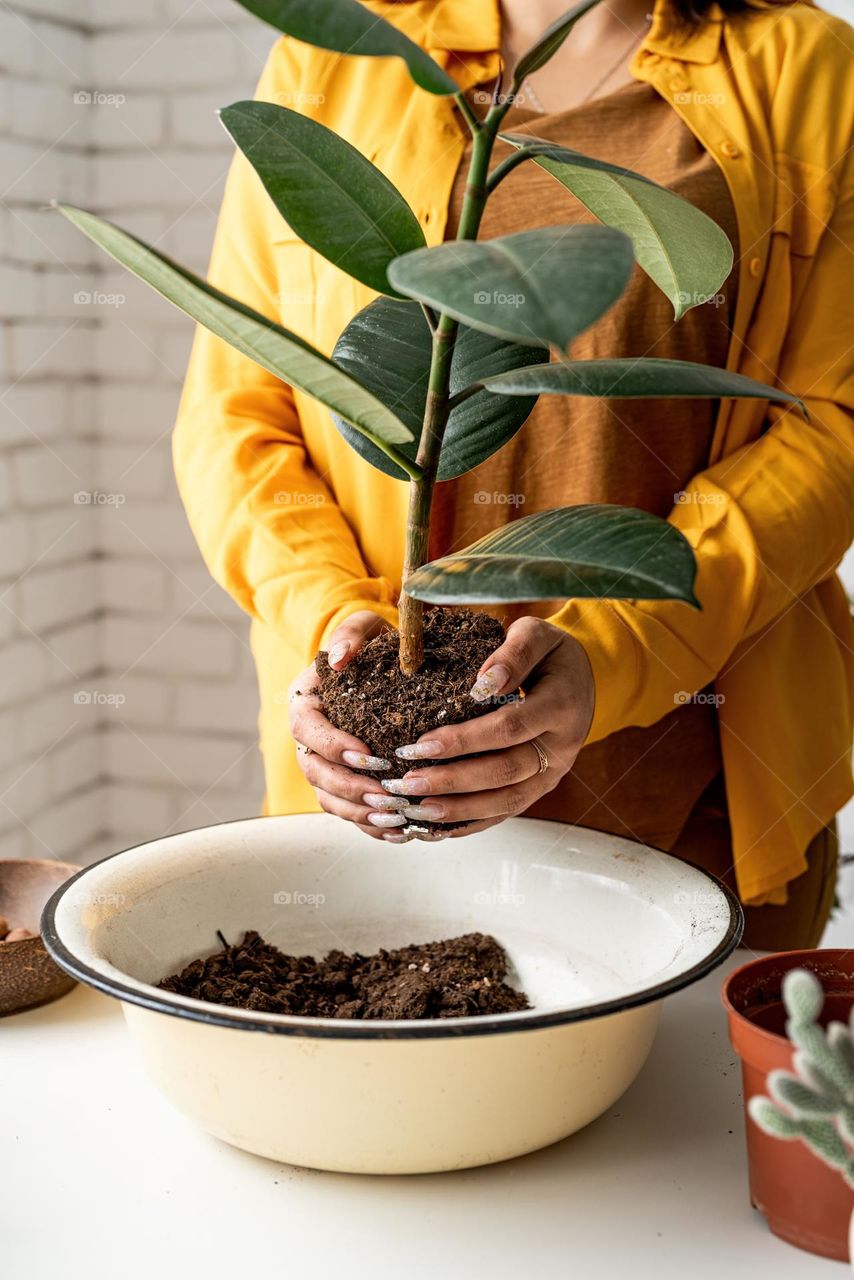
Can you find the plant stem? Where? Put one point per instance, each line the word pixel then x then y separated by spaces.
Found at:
pixel 411 611
pixel 501 170
pixel 466 112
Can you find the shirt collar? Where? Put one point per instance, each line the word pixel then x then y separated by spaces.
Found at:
pixel 670 38
pixel 460 26
pixel 474 26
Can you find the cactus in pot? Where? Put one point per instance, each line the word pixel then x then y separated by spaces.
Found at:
pixel 815 1103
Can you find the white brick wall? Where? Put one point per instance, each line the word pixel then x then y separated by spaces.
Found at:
pixel 112 599
pixel 50 780
pixel 127 706
pixel 160 161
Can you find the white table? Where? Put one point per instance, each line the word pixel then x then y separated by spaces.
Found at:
pixel 100 1179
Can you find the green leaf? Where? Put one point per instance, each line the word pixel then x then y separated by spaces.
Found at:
pixel 840 1042
pixel 347 27
pixel 824 1139
pixel 549 42
pixel 812 1042
pixel 818 1080
pixel 799 1097
pixel 679 247
pixel 634 380
pixel 599 551
pixel 282 353
pixel 772 1120
pixel 803 995
pixel 400 334
pixel 541 288
pixel 331 195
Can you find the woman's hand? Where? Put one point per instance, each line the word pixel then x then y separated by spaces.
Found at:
pixel 529 744
pixel 522 749
pixel 324 752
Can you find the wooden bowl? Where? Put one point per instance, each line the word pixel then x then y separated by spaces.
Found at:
pixel 28 976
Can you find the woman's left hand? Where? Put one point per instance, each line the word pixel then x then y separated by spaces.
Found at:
pixel 522 749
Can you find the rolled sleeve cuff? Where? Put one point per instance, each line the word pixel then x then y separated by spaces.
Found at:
pixel 374 594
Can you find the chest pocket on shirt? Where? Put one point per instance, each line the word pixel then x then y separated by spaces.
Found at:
pixel 316 299
pixel 297 289
pixel 805 200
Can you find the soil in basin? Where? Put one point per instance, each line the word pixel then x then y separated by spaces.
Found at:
pixel 455 978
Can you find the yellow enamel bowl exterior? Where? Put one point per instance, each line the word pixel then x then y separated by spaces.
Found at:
pixel 598 931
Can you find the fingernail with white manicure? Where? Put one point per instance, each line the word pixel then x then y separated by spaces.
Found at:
pixel 430 836
pixel 490 683
pixel 386 819
pixel 406 786
pixel 338 652
pixel 425 812
pixel 419 751
pixel 384 802
pixel 398 837
pixel 357 760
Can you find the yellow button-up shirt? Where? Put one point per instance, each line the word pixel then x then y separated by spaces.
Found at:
pixel 302 532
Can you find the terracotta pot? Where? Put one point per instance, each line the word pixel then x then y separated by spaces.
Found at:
pixel 803 1200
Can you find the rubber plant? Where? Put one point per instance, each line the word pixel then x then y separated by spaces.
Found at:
pixel 815 1103
pixel 445 365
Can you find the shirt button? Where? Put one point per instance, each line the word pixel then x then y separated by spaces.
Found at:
pixel 730 150
pixel 754 266
pixel 678 84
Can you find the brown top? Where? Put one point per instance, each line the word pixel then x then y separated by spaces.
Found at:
pixel 639 782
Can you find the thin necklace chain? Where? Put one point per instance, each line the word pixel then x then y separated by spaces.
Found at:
pixel 530 93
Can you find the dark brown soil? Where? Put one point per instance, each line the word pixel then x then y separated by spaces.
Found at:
pixel 451 979
pixel 372 698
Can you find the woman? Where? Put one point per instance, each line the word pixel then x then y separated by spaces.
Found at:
pixel 722 735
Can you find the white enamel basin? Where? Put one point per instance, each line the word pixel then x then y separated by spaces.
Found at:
pixel 598 931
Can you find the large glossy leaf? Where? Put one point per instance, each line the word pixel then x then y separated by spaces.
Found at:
pixel 541 288
pixel 596 551
pixel 634 380
pixel 328 192
pixel 348 27
pixel 679 247
pixel 387 348
pixel 276 349
pixel 550 41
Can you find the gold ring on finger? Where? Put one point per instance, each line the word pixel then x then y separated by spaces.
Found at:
pixel 541 755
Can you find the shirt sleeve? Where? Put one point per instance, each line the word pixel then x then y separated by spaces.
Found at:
pixel 766 523
pixel 238 449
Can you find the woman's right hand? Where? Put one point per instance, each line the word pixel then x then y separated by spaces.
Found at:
pixel 328 757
